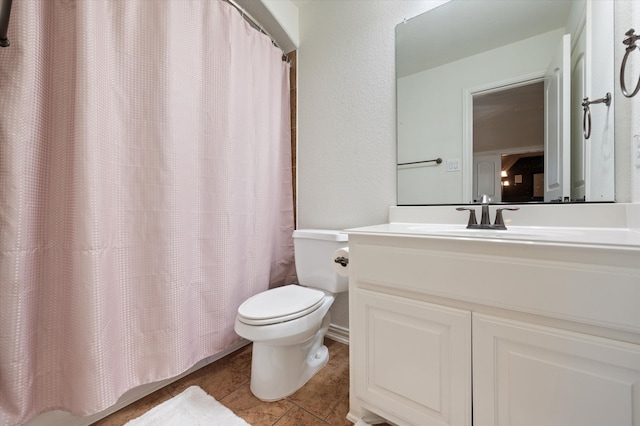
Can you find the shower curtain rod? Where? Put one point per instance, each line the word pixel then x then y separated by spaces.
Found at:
pixel 5 11
pixel 255 24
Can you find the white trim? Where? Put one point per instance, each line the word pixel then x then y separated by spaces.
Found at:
pixel 509 151
pixel 367 418
pixel 339 334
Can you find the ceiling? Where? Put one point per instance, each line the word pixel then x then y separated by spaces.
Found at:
pixel 460 28
pixel 509 120
pixel 300 3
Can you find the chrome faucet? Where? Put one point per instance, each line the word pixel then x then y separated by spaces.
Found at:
pixel 485 220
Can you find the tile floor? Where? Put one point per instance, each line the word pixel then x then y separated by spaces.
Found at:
pixel 324 400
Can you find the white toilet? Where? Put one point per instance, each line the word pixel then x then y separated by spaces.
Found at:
pixel 287 324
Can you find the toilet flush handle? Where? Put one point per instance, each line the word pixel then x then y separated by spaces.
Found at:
pixel 343 261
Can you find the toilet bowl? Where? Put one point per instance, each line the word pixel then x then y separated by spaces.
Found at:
pixel 287 324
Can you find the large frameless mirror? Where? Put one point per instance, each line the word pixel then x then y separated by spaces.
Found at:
pixel 489 101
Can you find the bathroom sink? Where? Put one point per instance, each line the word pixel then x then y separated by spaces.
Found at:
pixel 620 237
pixel 511 233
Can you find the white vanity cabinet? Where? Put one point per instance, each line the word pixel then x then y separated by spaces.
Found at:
pixel 463 331
pixel 412 358
pixel 530 375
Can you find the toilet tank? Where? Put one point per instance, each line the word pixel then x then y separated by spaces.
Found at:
pixel 314 249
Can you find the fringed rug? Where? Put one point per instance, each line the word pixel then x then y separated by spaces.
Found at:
pixel 193 407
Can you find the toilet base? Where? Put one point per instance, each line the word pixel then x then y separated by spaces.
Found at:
pixel 279 371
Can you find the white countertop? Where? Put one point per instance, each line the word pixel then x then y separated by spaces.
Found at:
pixel 620 238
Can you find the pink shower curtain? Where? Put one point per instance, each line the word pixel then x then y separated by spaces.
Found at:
pixel 145 192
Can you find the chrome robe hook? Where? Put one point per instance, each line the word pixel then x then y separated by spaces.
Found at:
pixel 630 42
pixel 586 113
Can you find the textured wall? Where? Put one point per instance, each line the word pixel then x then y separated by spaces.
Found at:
pixel 346 114
pixel 627 13
pixel 346 110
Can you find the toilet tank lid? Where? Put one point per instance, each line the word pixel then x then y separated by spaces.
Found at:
pixel 321 234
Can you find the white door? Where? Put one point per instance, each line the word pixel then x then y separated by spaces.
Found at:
pixel 531 375
pixel 578 93
pixel 600 80
pixel 592 62
pixel 486 177
pixel 557 124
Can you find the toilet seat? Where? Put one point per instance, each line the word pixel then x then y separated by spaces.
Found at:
pixel 279 305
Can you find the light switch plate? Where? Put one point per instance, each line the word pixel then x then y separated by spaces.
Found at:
pixel 453 165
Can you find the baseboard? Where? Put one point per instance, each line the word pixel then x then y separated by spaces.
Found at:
pixel 63 418
pixel 368 418
pixel 338 333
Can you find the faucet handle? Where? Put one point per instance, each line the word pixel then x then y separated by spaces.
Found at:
pixel 472 215
pixel 499 222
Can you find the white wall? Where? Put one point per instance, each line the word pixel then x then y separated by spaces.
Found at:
pixel 346 110
pixel 627 117
pixel 346 114
pixel 279 18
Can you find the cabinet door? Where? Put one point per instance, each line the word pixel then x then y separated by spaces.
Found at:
pixel 411 359
pixel 530 375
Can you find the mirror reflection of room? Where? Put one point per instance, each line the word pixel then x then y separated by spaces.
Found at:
pixel 508 143
pixel 441 82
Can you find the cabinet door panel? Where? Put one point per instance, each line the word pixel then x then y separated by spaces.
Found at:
pixel 413 359
pixel 530 375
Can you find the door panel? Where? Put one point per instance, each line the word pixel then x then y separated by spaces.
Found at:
pixel 486 177
pixel 529 375
pixel 414 360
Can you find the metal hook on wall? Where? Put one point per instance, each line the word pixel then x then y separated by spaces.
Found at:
pixel 586 113
pixel 630 42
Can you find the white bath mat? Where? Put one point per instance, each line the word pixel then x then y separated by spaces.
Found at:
pixel 193 407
